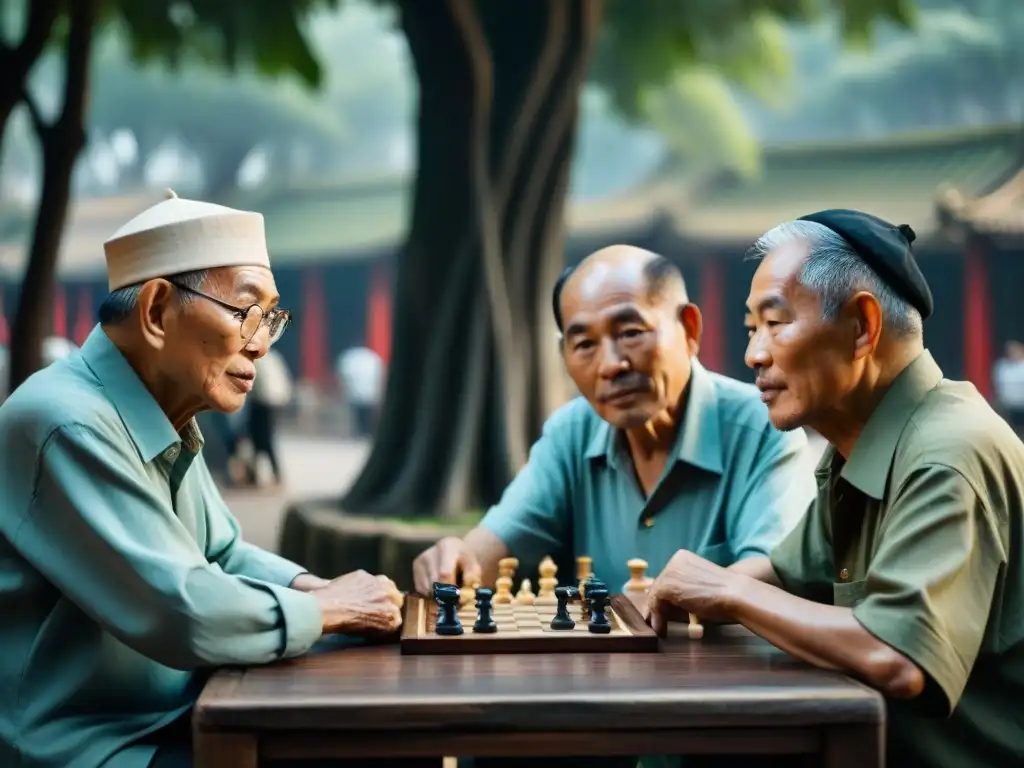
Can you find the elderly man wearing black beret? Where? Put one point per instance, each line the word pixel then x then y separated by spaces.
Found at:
pixel 907 571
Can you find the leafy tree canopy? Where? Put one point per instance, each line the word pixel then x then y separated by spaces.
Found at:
pixel 268 35
pixel 638 52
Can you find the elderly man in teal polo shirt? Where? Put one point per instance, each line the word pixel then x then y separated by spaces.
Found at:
pixel 122 574
pixel 659 454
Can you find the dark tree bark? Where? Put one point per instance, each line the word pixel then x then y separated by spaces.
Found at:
pixel 62 142
pixel 475 369
pixel 16 63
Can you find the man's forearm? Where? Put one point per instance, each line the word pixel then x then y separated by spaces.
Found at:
pixel 307 582
pixel 757 568
pixel 824 635
pixel 488 549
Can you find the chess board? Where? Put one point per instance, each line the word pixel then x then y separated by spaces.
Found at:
pixel 525 629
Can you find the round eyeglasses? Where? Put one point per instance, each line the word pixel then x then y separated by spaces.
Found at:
pixel 252 318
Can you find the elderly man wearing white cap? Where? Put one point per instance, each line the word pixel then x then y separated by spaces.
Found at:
pixel 122 573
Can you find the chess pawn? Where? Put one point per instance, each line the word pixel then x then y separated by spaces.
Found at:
pixel 525 595
pixel 695 631
pixel 485 623
pixel 547 582
pixel 506 570
pixel 468 593
pixel 584 568
pixel 599 599
pixel 503 591
pixel 636 588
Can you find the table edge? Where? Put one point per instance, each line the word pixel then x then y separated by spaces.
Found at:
pixel 620 711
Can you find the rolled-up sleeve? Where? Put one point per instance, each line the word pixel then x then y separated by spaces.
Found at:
pixel 109 540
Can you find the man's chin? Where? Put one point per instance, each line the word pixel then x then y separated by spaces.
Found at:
pixel 785 421
pixel 628 419
pixel 227 402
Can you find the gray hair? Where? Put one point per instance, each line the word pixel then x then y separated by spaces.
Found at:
pixel 835 272
pixel 119 304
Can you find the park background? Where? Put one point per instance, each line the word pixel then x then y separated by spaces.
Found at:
pixel 427 167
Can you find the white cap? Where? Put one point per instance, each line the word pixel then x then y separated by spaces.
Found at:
pixel 179 235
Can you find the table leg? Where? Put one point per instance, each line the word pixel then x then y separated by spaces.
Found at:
pixel 854 746
pixel 224 750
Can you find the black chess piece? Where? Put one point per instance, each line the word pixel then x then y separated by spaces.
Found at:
pixel 485 623
pixel 599 622
pixel 447 598
pixel 563 620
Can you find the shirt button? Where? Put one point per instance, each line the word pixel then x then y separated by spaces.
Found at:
pixel 648 522
pixel 171 453
pixel 844 575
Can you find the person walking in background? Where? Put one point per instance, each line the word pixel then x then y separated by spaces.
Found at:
pixel 271 391
pixel 1008 381
pixel 361 375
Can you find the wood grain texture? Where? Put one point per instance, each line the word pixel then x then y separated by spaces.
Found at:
pixel 225 750
pixel 729 679
pixel 630 633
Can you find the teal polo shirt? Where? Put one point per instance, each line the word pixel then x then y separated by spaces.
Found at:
pixel 734 487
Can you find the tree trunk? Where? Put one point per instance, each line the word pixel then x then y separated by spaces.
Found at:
pixel 474 369
pixel 62 142
pixel 16 63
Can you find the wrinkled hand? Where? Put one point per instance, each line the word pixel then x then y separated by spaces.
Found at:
pixel 443 562
pixel 359 603
pixel 690 584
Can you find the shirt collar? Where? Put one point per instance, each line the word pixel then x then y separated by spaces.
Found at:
pixel 699 441
pixel 148 426
pixel 872 457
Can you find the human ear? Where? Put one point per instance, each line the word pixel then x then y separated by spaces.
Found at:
pixel 693 323
pixel 155 302
pixel 867 319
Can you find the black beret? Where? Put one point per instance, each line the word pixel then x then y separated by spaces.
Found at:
pixel 885 247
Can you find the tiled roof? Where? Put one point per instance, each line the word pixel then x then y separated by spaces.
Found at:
pixel 999 212
pixel 897 180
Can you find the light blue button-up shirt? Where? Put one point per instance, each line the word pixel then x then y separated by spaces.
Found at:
pixel 734 487
pixel 122 573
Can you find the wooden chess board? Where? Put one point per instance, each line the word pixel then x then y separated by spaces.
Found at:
pixel 525 629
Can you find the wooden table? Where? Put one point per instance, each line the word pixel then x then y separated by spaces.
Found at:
pixel 728 693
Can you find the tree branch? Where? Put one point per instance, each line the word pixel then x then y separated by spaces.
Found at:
pixel 42 128
pixel 16 61
pixel 42 16
pixel 76 73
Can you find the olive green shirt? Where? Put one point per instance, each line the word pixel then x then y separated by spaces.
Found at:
pixel 920 533
pixel 122 573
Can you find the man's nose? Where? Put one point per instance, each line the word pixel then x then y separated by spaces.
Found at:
pixel 757 355
pixel 259 344
pixel 611 362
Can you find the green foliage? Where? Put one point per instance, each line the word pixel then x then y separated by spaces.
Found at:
pixel 267 35
pixel 701 121
pixel 673 65
pixel 638 52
